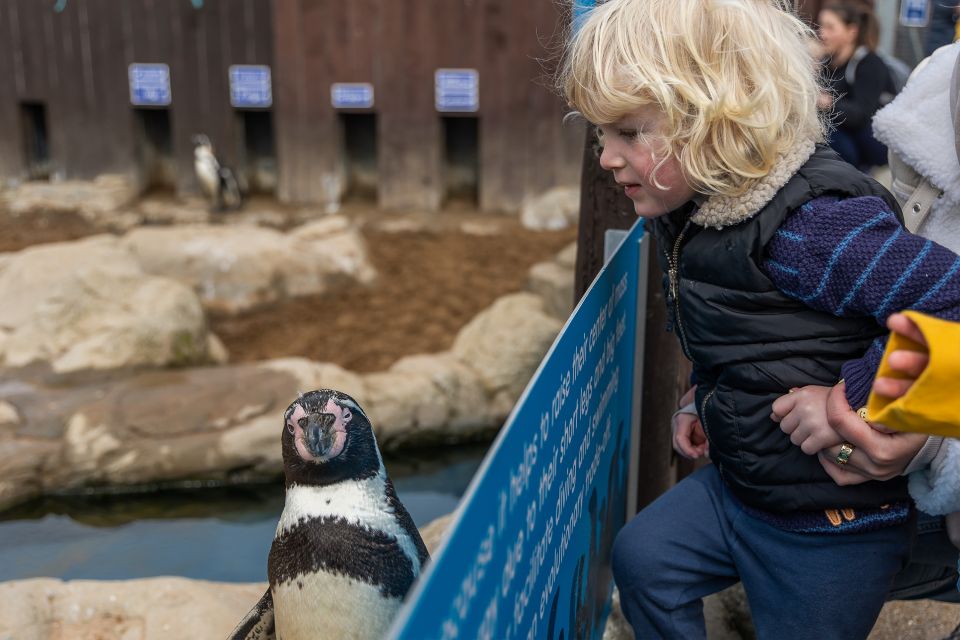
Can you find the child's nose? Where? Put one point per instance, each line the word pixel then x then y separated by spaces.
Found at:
pixel 610 159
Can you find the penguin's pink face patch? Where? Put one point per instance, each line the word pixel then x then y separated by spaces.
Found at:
pixel 322 435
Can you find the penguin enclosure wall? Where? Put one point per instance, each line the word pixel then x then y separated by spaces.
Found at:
pixel 456 103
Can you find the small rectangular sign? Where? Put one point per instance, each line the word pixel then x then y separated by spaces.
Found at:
pixel 250 86
pixel 351 95
pixel 528 554
pixel 149 84
pixel 457 90
pixel 915 13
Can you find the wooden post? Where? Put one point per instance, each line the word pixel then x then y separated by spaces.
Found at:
pixel 666 372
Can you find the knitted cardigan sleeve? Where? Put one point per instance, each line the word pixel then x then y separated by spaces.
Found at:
pixel 852 257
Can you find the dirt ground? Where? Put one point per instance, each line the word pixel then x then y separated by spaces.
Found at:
pixel 430 284
pixel 433 277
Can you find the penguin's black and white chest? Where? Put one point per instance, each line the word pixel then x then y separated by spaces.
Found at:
pixel 342 560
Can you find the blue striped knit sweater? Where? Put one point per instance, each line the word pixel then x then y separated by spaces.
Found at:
pixel 853 258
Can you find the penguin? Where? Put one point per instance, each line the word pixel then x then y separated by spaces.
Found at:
pixel 346 551
pixel 217 181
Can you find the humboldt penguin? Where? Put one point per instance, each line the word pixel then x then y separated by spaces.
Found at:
pixel 218 181
pixel 346 551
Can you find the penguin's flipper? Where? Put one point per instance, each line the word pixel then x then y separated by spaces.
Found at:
pixel 259 623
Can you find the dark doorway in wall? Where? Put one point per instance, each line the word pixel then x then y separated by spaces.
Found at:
pixel 359 132
pixel 461 160
pixel 154 142
pixel 259 162
pixel 36 140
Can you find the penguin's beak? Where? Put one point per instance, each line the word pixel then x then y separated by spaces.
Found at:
pixel 320 433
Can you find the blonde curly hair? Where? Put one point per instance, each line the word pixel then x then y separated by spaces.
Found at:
pixel 735 80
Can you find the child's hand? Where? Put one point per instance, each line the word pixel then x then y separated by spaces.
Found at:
pixel 802 415
pixel 689 439
pixel 909 363
pixel 953 528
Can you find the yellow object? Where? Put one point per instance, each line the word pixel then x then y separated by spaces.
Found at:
pixel 956 32
pixel 932 404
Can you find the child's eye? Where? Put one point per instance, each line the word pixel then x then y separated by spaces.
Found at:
pixel 627 134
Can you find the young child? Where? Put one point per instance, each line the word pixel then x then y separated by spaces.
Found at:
pixel 781 264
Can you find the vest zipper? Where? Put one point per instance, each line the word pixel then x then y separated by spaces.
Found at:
pixel 674 275
pixel 703 422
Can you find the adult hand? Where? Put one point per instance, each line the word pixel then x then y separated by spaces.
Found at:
pixel 906 362
pixel 876 455
pixel 689 439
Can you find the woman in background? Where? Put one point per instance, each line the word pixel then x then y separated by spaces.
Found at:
pixel 858 80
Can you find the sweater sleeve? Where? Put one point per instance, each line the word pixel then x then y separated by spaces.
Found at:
pixel 853 258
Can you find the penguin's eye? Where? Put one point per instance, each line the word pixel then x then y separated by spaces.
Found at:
pixel 347 415
pixel 302 422
pixel 290 428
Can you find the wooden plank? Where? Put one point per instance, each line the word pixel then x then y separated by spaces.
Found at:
pixel 11 142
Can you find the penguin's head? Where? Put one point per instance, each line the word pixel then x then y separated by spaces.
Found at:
pixel 200 140
pixel 327 438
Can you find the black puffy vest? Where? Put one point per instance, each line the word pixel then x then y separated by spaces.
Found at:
pixel 750 343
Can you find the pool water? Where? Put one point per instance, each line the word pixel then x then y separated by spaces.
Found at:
pixel 218 533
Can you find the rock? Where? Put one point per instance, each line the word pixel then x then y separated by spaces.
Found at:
pixel 174 212
pixel 916 620
pixel 9 416
pixel 554 284
pixel 557 208
pixel 505 343
pixel 216 351
pixel 337 256
pixel 163 426
pixel 148 609
pixel 239 267
pixel 320 375
pixel 87 305
pixel 103 201
pixel 435 531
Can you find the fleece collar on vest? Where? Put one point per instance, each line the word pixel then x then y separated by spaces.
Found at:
pixel 724 211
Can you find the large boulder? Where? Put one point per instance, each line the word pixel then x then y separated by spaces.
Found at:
pixel 557 208
pixel 505 343
pixel 104 201
pixel 149 609
pixel 553 281
pixel 87 305
pixel 239 267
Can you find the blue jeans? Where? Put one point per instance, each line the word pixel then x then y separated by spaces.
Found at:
pixel 696 540
pixel 932 572
pixel 859 147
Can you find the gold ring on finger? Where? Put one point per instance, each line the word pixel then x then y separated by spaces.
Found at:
pixel 843 457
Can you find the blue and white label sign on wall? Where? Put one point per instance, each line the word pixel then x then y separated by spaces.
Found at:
pixel 915 13
pixel 351 95
pixel 250 86
pixel 457 89
pixel 149 85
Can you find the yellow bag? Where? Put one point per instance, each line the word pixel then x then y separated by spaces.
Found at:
pixel 932 405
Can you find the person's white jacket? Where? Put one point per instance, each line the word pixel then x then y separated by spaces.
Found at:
pixel 921 129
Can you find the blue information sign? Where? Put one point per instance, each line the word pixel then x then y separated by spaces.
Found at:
pixel 457 89
pixel 915 13
pixel 528 555
pixel 250 86
pixel 149 84
pixel 351 95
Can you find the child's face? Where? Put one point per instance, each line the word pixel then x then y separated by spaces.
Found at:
pixel 632 148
